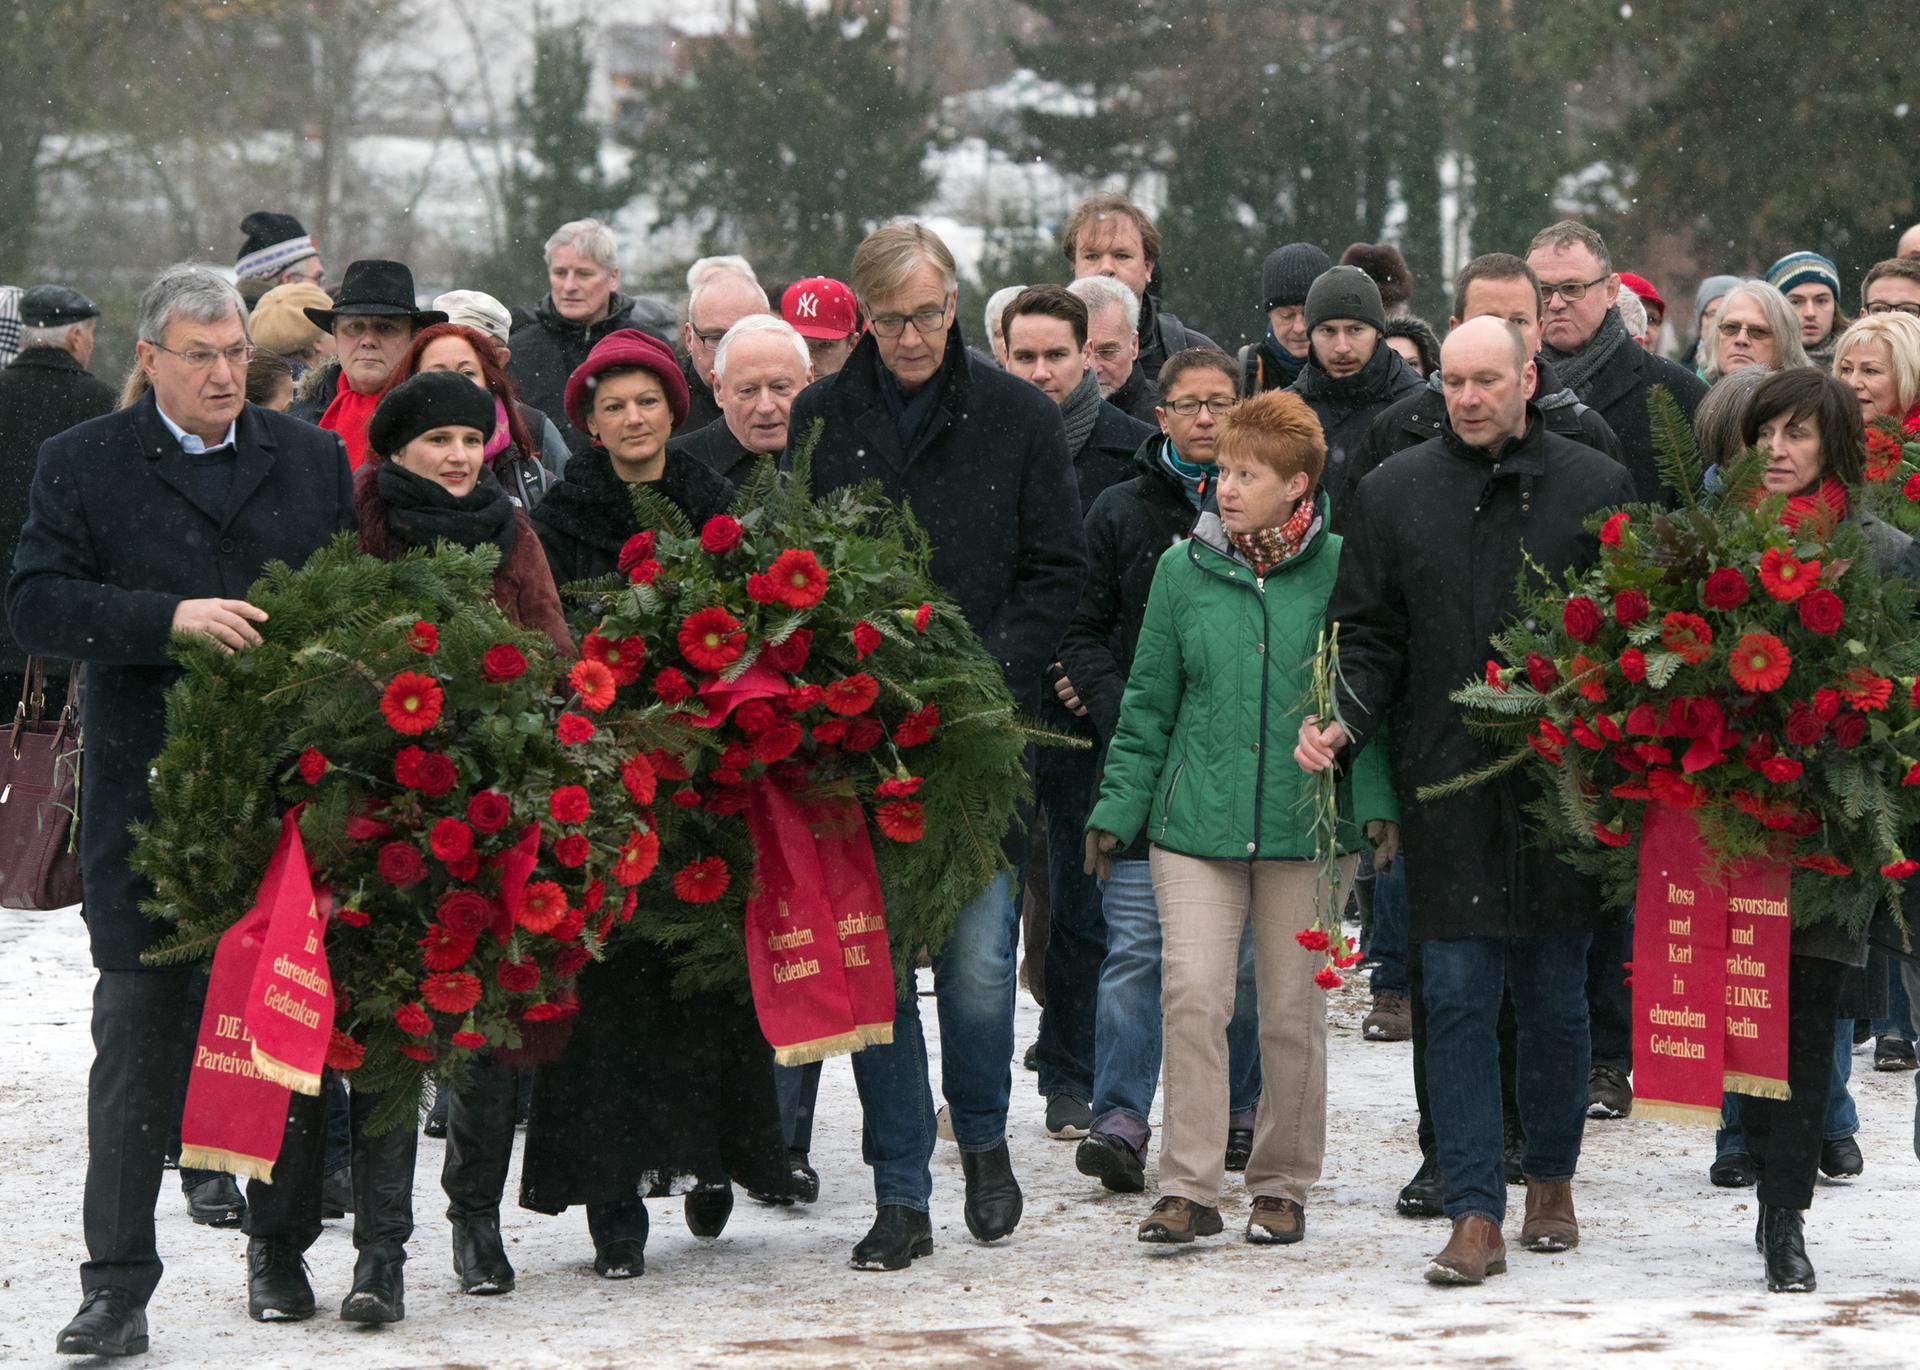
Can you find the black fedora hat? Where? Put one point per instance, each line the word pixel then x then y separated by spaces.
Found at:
pixel 374 286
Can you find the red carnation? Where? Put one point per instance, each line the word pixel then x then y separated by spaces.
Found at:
pixel 412 1020
pixel 777 742
pixel 1901 869
pixel 1313 939
pixel 896 788
pixel 1541 672
pixel 760 588
pixel 503 662
pixel 451 991
pixel 517 977
pixel 1629 608
pixel 1687 636
pixel 542 904
pixel 444 949
pixel 1786 578
pixel 702 882
pixel 1633 664
pixel 866 637
pixel 623 656
pixel 569 804
pixel 572 851
pixel 467 912
pixel 424 638
pixel 573 729
pixel 1494 679
pixel 638 776
pixel 638 856
pixel 711 639
pixel 798 580
pixel 918 726
pixel 1912 488
pixel 851 695
pixel 1826 704
pixel 1779 769
pixel 1610 530
pixel 1612 834
pixel 798 701
pixel 1725 589
pixel 1670 787
pixel 790 654
pixel 593 682
pixel 451 839
pixel 755 716
pixel 353 918
pixel 686 797
pixel 1821 612
pixel 864 734
pixel 406 765
pixel 1823 863
pixel 670 687
pixel 1584 734
pixel 720 535
pixel 313 764
pixel 1591 676
pixel 568 961
pixel 1581 618
pixel 902 820
pixel 411 703
pixel 645 573
pixel 831 732
pixel 343 1053
pixel 413 1051
pixel 1759 663
pixel 400 865
pixel 635 550
pixel 489 810
pixel 922 617
pixel 1328 978
pixel 469 1040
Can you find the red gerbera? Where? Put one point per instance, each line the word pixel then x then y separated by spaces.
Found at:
pixel 517 977
pixel 922 617
pixel 1866 691
pixel 313 764
pixel 623 656
pixel 411 703
pixel 412 1020
pixel 489 810
pixel 573 729
pixel 400 865
pixel 424 638
pixel 702 882
pixel 444 949
pixel 593 681
pixel 638 856
pixel 851 695
pixel 1786 578
pixel 1883 454
pixel 1725 589
pixel 343 1053
pixel 720 535
pixel 798 579
pixel 451 991
pixel 866 637
pixel 711 639
pixel 1759 663
pixel 451 839
pixel 1687 636
pixel 902 820
pixel 542 904
pixel 918 726
pixel 1629 607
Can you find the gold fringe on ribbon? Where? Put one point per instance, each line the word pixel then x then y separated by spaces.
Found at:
pixel 875 1034
pixel 233 1162
pixel 840 1044
pixel 278 1071
pixel 1758 1086
pixel 1660 1111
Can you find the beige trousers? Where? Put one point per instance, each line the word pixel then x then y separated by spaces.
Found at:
pixel 1204 906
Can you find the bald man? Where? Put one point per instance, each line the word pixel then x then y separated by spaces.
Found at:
pixel 1436 538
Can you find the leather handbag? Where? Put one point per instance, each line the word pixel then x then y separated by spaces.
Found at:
pixel 40 800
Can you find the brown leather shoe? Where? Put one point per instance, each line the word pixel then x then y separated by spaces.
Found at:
pixel 1175 1219
pixel 1550 1224
pixel 1474 1251
pixel 1276 1222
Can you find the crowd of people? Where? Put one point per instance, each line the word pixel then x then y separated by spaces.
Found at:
pixel 1148 532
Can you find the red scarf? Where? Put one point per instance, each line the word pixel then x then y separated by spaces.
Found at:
pixel 1826 504
pixel 348 416
pixel 1266 548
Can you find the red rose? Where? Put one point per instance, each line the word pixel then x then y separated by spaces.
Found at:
pixel 489 810
pixel 343 1053
pixel 670 687
pixel 435 774
pixel 1849 729
pixel 569 804
pixel 637 775
pixel 711 639
pixel 593 681
pixel 635 550
pixel 1804 726
pixel 1725 589
pixel 517 977
pixel 1542 674
pixel 444 949
pixel 864 734
pixel 465 867
pixel 411 703
pixel 866 637
pixel 777 742
pixel 313 764
pixel 424 638
pixel 1821 612
pixel 542 904
pixel 1581 618
pixel 789 656
pixel 1629 608
pixel 467 912
pixel 851 695
pixel 570 960
pixel 451 839
pixel 451 991
pixel 798 580
pixel 723 802
pixel 400 865
pixel 469 1040
pixel 503 662
pixel 412 1020
pixel 720 535
pixel 902 820
pixel 638 856
pixel 702 882
pixel 922 617
pixel 573 729
pixel 1780 769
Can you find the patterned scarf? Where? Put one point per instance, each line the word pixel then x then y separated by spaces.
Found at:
pixel 1266 548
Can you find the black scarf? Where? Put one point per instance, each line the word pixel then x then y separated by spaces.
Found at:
pixel 1578 369
pixel 420 512
pixel 592 503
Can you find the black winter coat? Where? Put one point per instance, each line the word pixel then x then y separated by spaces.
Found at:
pixel 988 477
pixel 702 407
pixel 1346 409
pixel 1108 455
pixel 1138 398
pixel 1421 415
pixel 1619 392
pixel 1162 334
pixel 113 543
pixel 587 518
pixel 546 352
pixel 1434 545
pixel 716 445
pixel 43 392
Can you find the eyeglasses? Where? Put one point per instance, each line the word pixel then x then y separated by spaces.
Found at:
pixel 1759 332
pixel 710 336
pixel 1109 352
pixel 1570 291
pixel 1882 307
pixel 1216 406
pixel 924 321
pixel 201 359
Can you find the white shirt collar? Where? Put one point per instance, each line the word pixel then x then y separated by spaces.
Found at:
pixel 190 443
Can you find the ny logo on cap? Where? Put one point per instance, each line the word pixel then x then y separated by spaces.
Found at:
pixel 807 306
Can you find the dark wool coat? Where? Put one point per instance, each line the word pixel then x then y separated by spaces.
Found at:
pixel 988 477
pixel 114 541
pixel 44 392
pixel 1346 409
pixel 1138 398
pixel 716 445
pixel 1162 334
pixel 546 352
pixel 522 585
pixel 587 518
pixel 1435 541
pixel 702 407
pixel 1619 392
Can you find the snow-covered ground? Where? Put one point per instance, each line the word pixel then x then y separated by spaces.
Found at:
pixel 1666 1276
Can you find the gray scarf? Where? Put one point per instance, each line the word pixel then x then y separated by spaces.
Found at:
pixel 1079 409
pixel 1578 369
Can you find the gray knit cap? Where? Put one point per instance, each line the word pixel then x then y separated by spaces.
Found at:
pixel 1345 292
pixel 1289 272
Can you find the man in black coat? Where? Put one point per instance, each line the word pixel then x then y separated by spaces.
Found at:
pixel 760 367
pixel 981 458
pixel 145 523
pixel 1350 374
pixel 1590 349
pixel 45 390
pixel 1435 541
pixel 1109 235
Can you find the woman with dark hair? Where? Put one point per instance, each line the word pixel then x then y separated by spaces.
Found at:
pixel 1808 425
pixel 269 381
pixel 1413 338
pixel 511 452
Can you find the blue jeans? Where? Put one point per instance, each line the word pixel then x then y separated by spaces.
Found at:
pixel 1077 935
pixel 1843 1119
pixel 1899 1019
pixel 973 978
pixel 1388 946
pixel 1127 1026
pixel 1462 983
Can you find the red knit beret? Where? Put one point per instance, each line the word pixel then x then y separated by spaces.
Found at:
pixel 623 349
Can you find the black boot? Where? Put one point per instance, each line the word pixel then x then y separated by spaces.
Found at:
pixel 109 1323
pixel 1239 1148
pixel 277 1288
pixel 806 1180
pixel 379 1293
pixel 1421 1196
pixel 1514 1152
pixel 474 1176
pixel 1783 1241
pixel 213 1199
pixel 708 1206
pixel 899 1236
pixel 436 1123
pixel 382 1216
pixel 1112 1161
pixel 619 1231
pixel 993 1195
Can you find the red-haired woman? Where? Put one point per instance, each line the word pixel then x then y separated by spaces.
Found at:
pixel 512 451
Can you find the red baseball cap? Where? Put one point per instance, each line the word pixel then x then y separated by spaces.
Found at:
pixel 819 307
pixel 1643 287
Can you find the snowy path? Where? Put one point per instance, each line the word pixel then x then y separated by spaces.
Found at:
pixel 1667 1275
